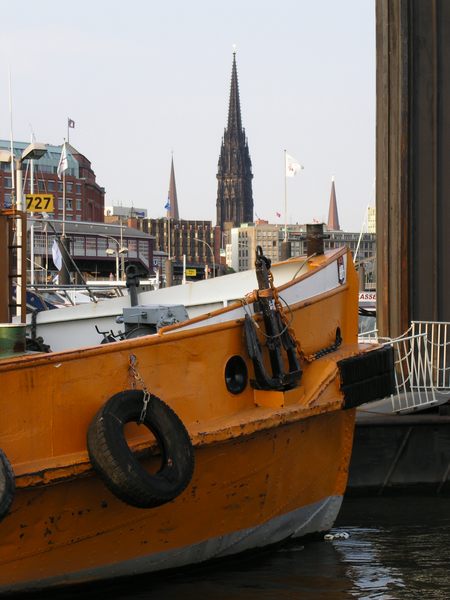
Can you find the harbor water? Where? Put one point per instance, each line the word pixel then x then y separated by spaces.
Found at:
pixel 397 548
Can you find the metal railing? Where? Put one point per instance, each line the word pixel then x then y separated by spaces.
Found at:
pixel 438 340
pixel 422 365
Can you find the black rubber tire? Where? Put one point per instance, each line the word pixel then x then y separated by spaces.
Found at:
pixel 7 485
pixel 120 469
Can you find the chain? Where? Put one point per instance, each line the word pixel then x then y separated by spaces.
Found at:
pixel 306 357
pixel 284 319
pixel 137 379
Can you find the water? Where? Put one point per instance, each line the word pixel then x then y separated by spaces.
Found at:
pixel 398 548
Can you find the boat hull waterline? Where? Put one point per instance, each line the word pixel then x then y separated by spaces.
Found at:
pixel 269 465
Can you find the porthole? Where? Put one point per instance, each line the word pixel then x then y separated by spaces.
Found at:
pixel 236 375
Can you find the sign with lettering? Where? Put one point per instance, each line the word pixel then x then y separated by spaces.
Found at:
pixel 191 272
pixel 39 202
pixel 367 296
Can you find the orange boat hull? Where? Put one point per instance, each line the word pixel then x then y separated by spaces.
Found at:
pixel 268 465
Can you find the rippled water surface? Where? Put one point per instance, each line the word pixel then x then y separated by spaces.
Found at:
pixel 398 548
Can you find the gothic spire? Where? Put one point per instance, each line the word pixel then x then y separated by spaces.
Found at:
pixel 234 106
pixel 173 201
pixel 333 219
pixel 234 175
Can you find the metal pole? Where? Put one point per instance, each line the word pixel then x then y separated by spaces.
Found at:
pixel 285 197
pixel 32 222
pixel 19 208
pixel 117 266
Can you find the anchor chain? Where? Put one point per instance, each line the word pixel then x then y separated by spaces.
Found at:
pixel 306 357
pixel 137 379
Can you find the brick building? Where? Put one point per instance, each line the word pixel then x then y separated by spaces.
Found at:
pixel 85 198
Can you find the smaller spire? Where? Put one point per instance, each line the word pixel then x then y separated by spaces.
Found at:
pixel 333 219
pixel 173 200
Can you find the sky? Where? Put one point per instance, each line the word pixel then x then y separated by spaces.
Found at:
pixel 145 78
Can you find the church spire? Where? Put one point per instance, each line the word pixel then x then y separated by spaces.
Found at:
pixel 234 175
pixel 234 107
pixel 333 219
pixel 173 201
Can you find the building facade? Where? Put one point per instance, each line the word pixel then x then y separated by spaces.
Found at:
pixel 85 198
pixel 197 241
pixel 234 175
pixel 241 250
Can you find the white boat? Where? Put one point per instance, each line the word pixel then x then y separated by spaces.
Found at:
pixel 79 326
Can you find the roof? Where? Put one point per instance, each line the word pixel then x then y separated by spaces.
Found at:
pixel 87 228
pixel 49 162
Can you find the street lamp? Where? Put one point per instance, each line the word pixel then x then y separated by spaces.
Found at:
pixel 33 151
pixel 212 253
pixel 119 250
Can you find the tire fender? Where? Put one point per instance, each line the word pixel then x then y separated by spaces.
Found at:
pixel 119 468
pixel 7 485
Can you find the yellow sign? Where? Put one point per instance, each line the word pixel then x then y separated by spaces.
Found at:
pixel 39 202
pixel 191 272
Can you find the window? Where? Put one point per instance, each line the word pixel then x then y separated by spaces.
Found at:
pixel 60 186
pixel 8 182
pixel 78 201
pixel 69 186
pixel 78 188
pixel 51 186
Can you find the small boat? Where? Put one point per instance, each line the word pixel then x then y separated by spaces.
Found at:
pixel 227 432
pixel 83 325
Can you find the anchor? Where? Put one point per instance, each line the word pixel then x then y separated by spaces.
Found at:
pixel 277 336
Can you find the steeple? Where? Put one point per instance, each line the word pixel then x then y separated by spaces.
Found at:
pixel 333 219
pixel 172 213
pixel 234 174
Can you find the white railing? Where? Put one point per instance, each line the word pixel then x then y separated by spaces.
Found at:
pixel 422 365
pixel 438 341
pixel 413 374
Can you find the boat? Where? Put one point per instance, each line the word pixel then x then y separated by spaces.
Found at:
pixel 89 324
pixel 223 433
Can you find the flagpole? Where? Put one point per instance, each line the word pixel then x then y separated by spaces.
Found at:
pixel 64 198
pixel 285 196
pixel 13 183
pixel 68 138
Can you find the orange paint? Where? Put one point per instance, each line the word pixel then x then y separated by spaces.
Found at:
pixel 259 455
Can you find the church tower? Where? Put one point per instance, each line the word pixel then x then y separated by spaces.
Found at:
pixel 234 175
pixel 172 212
pixel 333 219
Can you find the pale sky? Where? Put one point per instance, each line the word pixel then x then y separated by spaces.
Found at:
pixel 142 78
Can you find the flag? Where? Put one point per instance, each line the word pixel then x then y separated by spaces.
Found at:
pixel 63 162
pixel 70 123
pixel 56 255
pixel 292 166
pixel 278 215
pixel 167 205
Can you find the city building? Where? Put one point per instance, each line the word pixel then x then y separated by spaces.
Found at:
pixel 241 251
pixel 196 242
pixel 234 176
pixel 85 198
pixel 99 250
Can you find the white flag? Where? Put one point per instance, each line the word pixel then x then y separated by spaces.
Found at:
pixel 56 255
pixel 63 162
pixel 292 166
